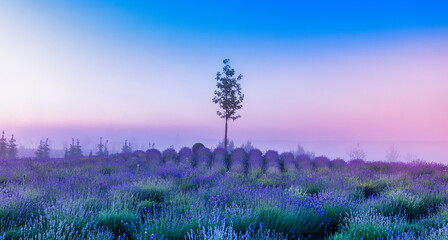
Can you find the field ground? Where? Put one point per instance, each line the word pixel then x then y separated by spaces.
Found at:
pixel 149 195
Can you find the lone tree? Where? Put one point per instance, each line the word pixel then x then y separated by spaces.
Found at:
pixel 228 95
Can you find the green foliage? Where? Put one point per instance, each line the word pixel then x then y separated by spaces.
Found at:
pixel 372 188
pixel 371 225
pixel 221 232
pixel 147 206
pixel 19 212
pixel 121 223
pixel 188 184
pixel 169 226
pixel 292 222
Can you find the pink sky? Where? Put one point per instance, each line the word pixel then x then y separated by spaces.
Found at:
pixel 62 83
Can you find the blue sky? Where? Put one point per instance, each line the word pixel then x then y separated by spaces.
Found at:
pixel 314 71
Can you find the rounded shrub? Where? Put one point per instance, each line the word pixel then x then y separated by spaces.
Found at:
pixel 140 154
pixel 338 163
pixel 356 162
pixel 239 161
pixel 322 162
pixel 203 157
pixel 154 155
pixel 186 155
pixel 304 162
pixel 272 159
pixel 287 162
pixel 196 146
pixel 219 158
pixel 170 155
pixel 256 160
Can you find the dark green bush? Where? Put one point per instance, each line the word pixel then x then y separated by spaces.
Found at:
pixel 196 146
pixel 372 188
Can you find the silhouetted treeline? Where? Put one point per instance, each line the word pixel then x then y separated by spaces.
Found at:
pixel 8 149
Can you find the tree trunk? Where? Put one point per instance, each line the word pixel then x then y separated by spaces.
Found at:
pixel 225 139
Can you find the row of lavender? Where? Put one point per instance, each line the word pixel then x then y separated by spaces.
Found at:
pixel 137 196
pixel 241 161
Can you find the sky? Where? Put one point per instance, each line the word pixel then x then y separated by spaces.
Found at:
pixel 326 74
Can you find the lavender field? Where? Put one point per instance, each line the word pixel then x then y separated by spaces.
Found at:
pixel 254 195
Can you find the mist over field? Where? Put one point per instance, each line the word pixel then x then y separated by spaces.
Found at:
pixel 230 120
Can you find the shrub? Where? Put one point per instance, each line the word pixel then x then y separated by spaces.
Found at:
pixel 338 163
pixel 196 146
pixel 372 188
pixel 356 162
pixel 203 157
pixel 271 159
pixel 287 162
pixel 304 162
pixel 256 160
pixel 219 157
pixel 240 161
pixel 186 155
pixel 154 155
pixel 170 155
pixel 321 162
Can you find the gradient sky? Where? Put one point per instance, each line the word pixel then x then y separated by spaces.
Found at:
pixel 313 72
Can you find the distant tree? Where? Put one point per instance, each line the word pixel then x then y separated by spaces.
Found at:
pixel 126 147
pixel 90 154
pixel 3 146
pixel 228 95
pixel 12 148
pixel 357 153
pixel 43 150
pixel 102 149
pixel 392 154
pixel 100 146
pixel 74 151
pixel 230 146
pixel 247 147
pixel 299 151
pixel 311 155
pixel 106 150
